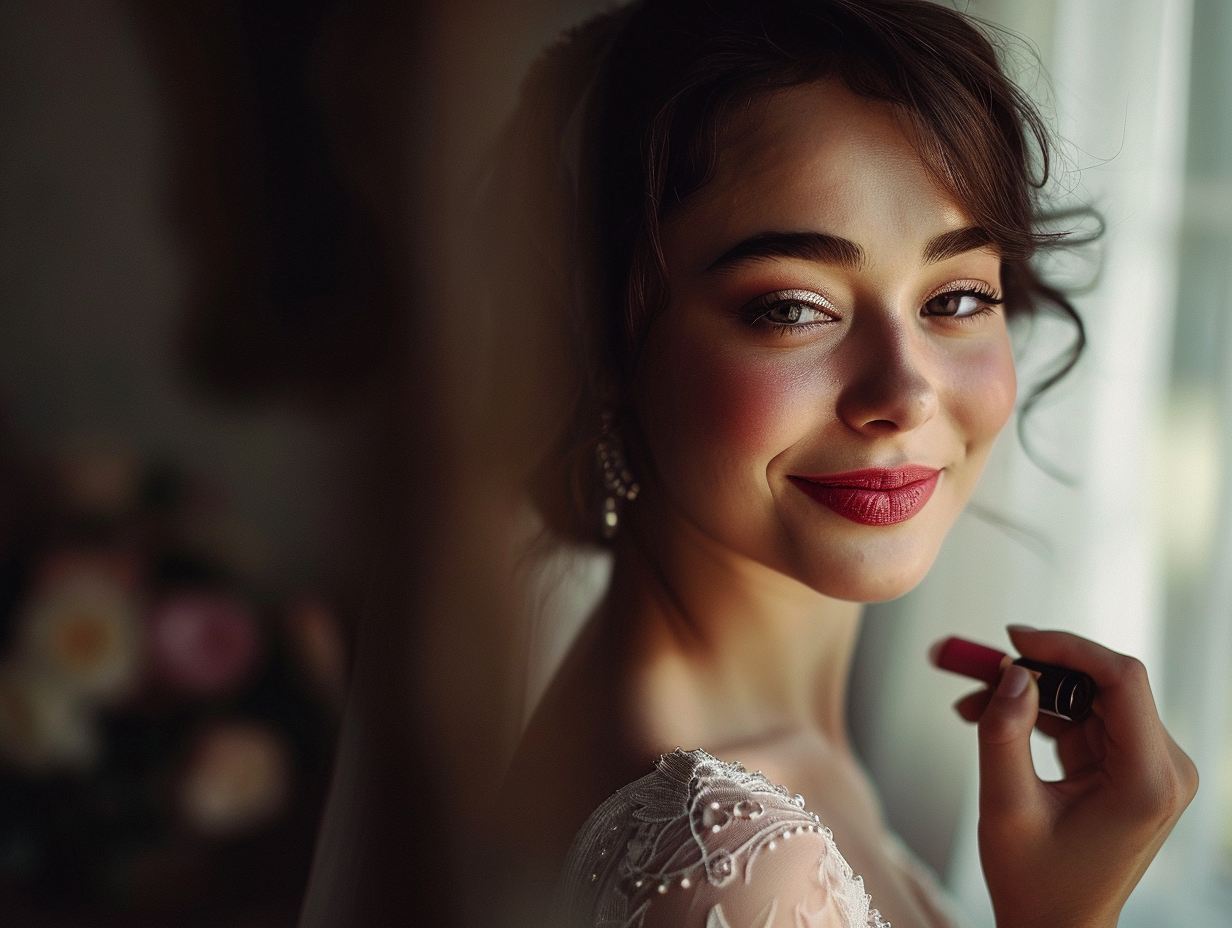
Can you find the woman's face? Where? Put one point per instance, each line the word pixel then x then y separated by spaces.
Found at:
pixel 832 367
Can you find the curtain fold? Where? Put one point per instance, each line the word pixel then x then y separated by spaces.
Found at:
pixel 1120 75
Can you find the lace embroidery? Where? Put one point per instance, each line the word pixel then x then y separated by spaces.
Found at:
pixel 716 919
pixel 697 822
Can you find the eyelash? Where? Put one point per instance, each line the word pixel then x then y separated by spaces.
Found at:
pixel 979 291
pixel 755 312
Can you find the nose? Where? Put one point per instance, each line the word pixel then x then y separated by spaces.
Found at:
pixel 887 385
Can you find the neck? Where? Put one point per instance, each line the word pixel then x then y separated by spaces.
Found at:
pixel 726 650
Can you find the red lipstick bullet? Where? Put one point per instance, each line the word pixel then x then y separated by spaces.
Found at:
pixel 1065 693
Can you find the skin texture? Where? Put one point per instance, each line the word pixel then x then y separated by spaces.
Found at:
pixel 734 606
pixel 730 409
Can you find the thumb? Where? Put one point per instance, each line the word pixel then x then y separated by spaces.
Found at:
pixel 1007 776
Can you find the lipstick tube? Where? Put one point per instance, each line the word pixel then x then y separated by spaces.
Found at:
pixel 1065 693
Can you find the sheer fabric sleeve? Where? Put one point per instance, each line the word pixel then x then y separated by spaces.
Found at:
pixel 790 886
pixel 704 844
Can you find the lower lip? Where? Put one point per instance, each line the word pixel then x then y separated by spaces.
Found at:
pixel 869 506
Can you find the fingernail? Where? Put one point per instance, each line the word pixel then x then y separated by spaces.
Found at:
pixel 1021 628
pixel 1013 681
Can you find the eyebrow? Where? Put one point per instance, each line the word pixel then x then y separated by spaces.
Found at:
pixel 949 244
pixel 831 249
pixel 811 246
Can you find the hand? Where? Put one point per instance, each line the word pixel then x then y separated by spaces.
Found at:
pixel 1067 854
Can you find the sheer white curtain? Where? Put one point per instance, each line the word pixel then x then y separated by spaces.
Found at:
pixel 1087 555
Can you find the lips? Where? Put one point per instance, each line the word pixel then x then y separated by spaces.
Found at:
pixel 876 496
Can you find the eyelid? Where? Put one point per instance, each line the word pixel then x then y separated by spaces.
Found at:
pixel 990 293
pixel 812 297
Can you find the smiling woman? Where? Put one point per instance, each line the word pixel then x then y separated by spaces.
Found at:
pixel 861 338
pixel 792 237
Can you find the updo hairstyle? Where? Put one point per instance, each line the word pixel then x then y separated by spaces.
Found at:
pixel 623 120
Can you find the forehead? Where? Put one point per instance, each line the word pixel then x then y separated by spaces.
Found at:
pixel 815 157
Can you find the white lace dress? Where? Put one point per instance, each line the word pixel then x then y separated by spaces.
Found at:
pixel 699 842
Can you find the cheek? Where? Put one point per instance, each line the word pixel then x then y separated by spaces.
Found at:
pixel 726 408
pixel 984 389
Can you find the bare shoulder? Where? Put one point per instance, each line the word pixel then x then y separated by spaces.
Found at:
pixel 568 761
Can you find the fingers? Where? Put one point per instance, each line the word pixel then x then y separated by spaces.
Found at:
pixel 1108 668
pixel 1124 701
pixel 1074 747
pixel 1007 776
pixel 1054 727
pixel 972 706
pixel 1081 747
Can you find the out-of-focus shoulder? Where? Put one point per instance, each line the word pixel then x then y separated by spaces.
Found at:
pixel 700 843
pixel 791 884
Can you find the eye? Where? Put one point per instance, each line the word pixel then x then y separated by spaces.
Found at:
pixel 789 309
pixel 961 304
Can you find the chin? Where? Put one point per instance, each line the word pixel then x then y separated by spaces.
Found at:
pixel 864 586
pixel 865 573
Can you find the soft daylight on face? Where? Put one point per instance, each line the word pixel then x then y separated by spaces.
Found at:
pixel 782 356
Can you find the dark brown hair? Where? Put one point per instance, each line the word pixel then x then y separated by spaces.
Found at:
pixel 646 129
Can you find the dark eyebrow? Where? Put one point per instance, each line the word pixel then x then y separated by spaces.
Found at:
pixel 949 244
pixel 831 249
pixel 811 246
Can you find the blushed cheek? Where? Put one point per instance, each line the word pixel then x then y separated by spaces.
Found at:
pixel 985 390
pixel 719 412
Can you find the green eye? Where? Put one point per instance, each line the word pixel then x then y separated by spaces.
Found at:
pixel 788 313
pixel 789 309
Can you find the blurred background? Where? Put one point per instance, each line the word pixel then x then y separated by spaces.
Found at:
pixel 195 331
pixel 227 400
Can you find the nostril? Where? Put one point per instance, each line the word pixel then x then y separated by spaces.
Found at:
pixel 884 404
pixel 888 386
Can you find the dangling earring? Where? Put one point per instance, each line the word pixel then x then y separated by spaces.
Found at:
pixel 618 482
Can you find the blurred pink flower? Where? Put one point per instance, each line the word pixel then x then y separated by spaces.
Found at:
pixel 203 643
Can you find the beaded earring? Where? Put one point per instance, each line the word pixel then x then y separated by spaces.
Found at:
pixel 618 482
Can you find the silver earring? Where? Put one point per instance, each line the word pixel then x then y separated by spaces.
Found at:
pixel 618 482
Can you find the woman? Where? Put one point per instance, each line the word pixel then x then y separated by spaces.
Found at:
pixel 792 236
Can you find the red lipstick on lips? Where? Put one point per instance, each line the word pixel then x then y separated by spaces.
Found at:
pixel 876 496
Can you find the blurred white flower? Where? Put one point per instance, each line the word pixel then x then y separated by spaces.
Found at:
pixel 82 632
pixel 238 777
pixel 43 726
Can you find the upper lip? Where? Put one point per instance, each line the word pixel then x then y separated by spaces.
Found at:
pixel 873 478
